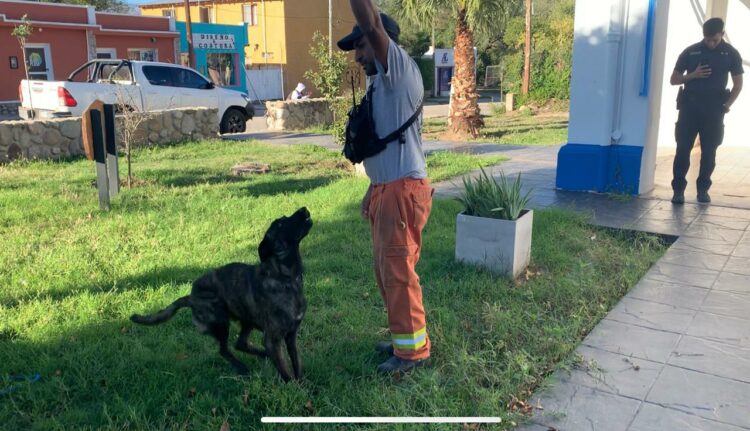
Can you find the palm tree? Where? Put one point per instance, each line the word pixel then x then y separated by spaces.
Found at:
pixel 471 17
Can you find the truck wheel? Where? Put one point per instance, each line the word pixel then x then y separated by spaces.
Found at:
pixel 233 121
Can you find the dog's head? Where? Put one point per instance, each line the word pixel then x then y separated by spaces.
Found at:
pixel 284 235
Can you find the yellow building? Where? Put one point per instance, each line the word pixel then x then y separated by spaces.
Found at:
pixel 279 33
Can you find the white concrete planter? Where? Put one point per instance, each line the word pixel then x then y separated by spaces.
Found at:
pixel 502 246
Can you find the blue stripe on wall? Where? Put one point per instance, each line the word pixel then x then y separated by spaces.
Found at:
pixel 599 168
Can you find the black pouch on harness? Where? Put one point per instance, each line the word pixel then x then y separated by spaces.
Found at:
pixel 361 140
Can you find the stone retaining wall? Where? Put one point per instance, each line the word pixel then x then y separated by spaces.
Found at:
pixel 58 138
pixel 9 109
pixel 298 114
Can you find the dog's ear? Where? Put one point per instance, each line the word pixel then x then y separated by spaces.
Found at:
pixel 265 250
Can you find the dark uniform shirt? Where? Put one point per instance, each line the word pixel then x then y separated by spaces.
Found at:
pixel 722 60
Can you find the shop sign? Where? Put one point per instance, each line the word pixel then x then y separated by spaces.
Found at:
pixel 213 41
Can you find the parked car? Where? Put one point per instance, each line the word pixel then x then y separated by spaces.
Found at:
pixel 141 86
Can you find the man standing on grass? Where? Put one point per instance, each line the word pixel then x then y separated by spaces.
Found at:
pixel 399 199
pixel 702 103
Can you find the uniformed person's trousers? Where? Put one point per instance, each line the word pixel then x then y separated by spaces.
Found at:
pixel 708 123
pixel 398 212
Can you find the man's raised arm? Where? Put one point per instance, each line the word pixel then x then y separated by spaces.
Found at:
pixel 368 20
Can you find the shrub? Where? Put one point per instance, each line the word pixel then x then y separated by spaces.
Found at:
pixel 498 109
pixel 328 76
pixel 486 196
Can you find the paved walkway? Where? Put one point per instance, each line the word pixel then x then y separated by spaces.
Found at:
pixel 674 354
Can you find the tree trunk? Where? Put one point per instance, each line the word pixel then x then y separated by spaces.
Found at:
pixel 464 118
pixel 527 51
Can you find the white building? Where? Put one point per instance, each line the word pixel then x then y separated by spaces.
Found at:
pixel 622 106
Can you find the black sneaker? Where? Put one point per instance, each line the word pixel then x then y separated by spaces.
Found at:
pixel 678 198
pixel 396 365
pixel 384 347
pixel 704 198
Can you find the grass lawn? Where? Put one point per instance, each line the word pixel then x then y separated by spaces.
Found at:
pixel 72 276
pixel 550 128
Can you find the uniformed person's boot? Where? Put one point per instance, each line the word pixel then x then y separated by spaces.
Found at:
pixel 703 197
pixel 678 197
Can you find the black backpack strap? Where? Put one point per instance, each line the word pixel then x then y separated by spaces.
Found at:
pixel 397 134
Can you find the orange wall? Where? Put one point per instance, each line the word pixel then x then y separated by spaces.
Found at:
pixel 304 18
pixel 165 46
pixel 126 22
pixel 44 12
pixel 68 49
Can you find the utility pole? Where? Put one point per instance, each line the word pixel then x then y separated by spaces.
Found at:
pixel 527 52
pixel 188 26
pixel 330 28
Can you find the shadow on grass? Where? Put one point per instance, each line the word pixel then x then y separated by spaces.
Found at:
pixel 191 177
pixel 500 133
pixel 114 370
pixel 160 277
pixel 272 188
pixel 256 184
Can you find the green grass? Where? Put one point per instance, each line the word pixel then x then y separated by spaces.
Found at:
pixel 72 276
pixel 516 128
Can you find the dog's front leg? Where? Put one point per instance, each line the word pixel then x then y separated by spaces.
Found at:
pixel 291 347
pixel 243 344
pixel 220 331
pixel 273 348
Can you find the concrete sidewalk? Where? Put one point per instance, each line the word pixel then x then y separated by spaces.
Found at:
pixel 674 354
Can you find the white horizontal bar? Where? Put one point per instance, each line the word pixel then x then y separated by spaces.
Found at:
pixel 379 420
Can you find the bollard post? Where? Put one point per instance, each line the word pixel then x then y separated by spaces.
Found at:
pixel 113 171
pixel 100 157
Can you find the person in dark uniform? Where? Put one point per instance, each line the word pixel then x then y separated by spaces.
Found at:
pixel 703 100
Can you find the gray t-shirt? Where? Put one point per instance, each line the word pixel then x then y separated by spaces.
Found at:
pixel 396 96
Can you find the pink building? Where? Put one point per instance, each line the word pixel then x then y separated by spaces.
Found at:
pixel 66 36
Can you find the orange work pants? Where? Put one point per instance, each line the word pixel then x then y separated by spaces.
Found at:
pixel 398 212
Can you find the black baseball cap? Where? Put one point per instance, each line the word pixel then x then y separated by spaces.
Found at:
pixel 391 27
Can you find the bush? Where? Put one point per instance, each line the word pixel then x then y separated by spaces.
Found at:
pixel 498 109
pixel 485 196
pixel 427 69
pixel 328 76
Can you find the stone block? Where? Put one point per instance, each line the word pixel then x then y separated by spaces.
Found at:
pixel 52 138
pixel 71 128
pixel 188 125
pixel 6 135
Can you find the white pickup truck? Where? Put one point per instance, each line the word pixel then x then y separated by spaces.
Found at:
pixel 141 86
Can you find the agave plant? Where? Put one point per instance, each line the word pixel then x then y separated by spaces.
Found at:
pixel 486 196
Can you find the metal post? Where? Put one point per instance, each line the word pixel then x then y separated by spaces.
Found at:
pixel 113 171
pixel 100 157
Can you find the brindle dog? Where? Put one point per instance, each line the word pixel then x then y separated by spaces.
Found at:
pixel 267 297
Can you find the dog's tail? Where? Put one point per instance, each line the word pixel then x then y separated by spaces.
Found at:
pixel 163 315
